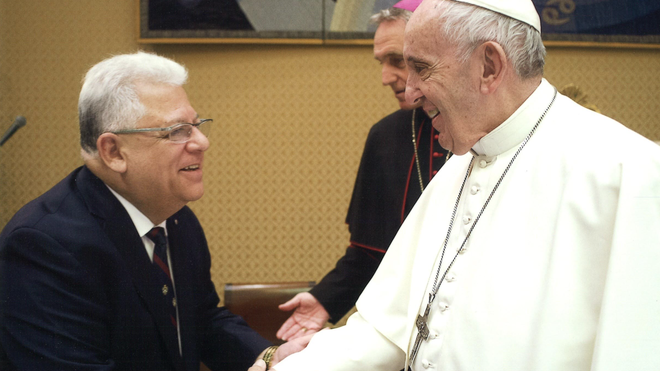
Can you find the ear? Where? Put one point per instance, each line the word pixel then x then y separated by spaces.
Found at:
pixel 110 153
pixel 495 65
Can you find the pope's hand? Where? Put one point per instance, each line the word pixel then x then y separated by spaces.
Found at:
pixel 290 347
pixel 309 317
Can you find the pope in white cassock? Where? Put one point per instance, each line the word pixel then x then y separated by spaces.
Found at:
pixel 535 247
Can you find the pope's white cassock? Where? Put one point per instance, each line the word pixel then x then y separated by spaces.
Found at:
pixel 561 272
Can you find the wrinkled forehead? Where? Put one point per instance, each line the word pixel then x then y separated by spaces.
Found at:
pixel 426 10
pixel 419 16
pixel 420 28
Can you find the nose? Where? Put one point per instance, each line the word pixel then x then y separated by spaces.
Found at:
pixel 414 96
pixel 387 75
pixel 198 141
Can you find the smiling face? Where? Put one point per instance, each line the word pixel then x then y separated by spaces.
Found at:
pixel 447 89
pixel 388 50
pixel 161 176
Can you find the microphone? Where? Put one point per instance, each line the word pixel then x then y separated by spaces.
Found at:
pixel 19 122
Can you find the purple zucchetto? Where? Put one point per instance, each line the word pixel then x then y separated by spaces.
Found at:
pixel 410 5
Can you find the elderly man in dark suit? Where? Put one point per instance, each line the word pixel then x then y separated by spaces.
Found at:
pixel 110 270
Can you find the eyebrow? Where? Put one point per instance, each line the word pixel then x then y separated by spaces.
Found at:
pixel 180 121
pixel 390 54
pixel 413 59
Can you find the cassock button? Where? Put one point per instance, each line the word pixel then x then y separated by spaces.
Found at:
pixel 426 363
pixel 443 307
pixel 466 220
pixel 474 190
pixel 165 289
pixel 450 277
pixel 436 154
pixel 483 164
pixel 436 137
pixel 435 172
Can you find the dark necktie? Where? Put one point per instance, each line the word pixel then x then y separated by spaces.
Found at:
pixel 162 270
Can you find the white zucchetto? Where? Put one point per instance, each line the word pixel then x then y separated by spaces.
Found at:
pixel 522 10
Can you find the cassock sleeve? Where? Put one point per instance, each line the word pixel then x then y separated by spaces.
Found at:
pixel 356 346
pixel 628 332
pixel 340 288
pixel 374 214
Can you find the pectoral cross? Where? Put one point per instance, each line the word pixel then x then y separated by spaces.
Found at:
pixel 422 331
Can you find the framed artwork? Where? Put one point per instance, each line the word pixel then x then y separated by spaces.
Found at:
pixel 257 21
pixel 626 22
pixel 635 22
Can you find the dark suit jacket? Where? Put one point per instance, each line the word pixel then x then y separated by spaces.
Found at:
pixel 76 291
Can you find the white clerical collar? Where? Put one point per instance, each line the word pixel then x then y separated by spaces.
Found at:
pixel 141 222
pixel 514 130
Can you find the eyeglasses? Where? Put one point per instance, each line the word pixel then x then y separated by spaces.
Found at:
pixel 179 133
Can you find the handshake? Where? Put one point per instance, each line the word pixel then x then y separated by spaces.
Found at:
pixel 308 317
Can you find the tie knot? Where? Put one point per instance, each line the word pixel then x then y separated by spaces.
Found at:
pixel 157 235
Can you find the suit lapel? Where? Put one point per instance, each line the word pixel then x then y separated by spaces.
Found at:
pixel 182 282
pixel 120 229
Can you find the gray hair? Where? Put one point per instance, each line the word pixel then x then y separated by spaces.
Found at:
pixel 390 14
pixel 467 26
pixel 108 99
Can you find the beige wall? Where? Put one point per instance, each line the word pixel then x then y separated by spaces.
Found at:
pixel 290 122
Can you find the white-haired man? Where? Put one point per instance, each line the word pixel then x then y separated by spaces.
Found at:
pixel 109 269
pixel 533 249
pixel 392 175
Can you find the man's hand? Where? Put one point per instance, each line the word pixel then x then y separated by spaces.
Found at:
pixel 309 317
pixel 260 365
pixel 282 352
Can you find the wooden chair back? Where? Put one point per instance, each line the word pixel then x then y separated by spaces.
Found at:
pixel 257 303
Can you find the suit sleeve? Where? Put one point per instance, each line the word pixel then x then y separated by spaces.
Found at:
pixel 230 343
pixel 54 317
pixel 226 341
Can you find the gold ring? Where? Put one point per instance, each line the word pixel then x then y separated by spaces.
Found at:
pixel 304 329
